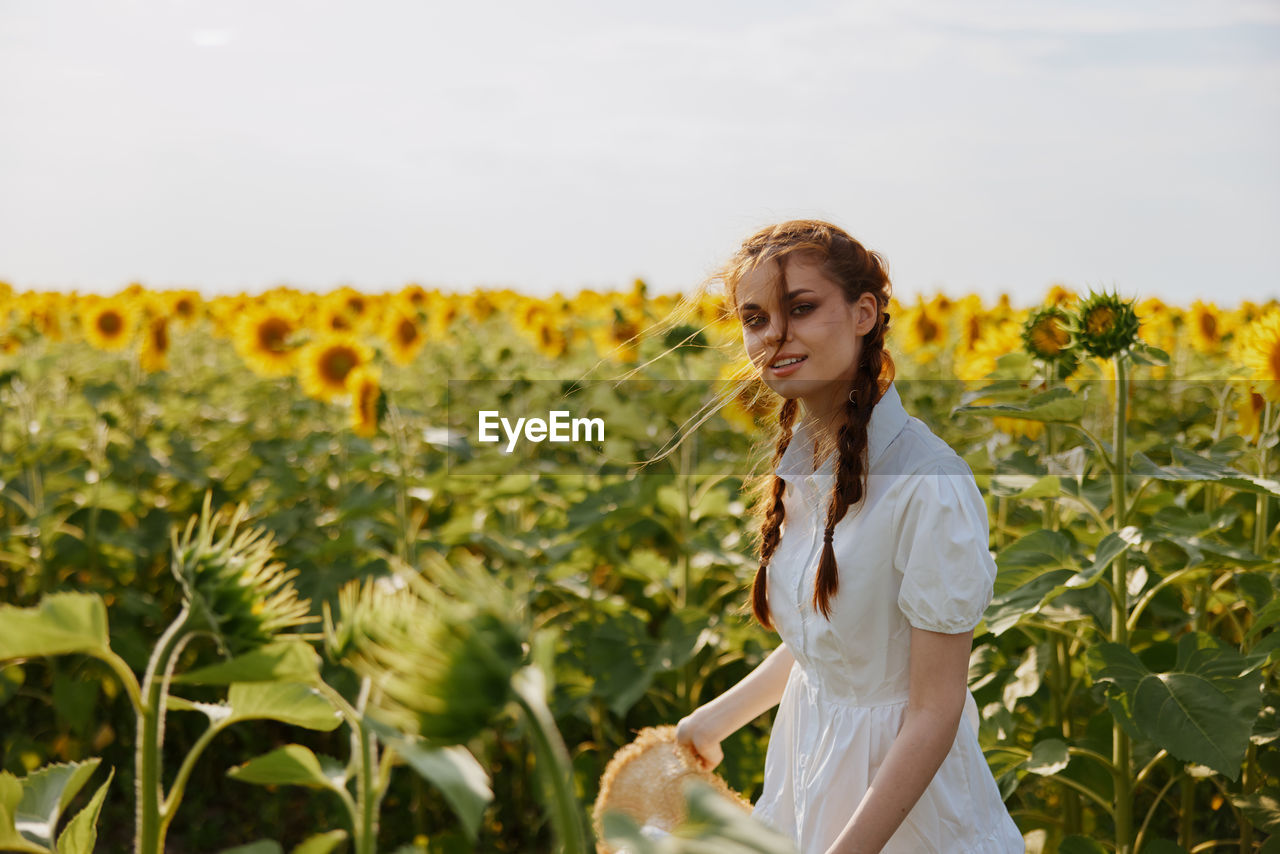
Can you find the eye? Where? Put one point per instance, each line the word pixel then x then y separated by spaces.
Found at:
pixel 752 321
pixel 803 308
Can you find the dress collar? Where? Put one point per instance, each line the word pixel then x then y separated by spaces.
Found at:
pixel 887 420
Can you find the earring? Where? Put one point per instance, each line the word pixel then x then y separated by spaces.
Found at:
pixel 853 402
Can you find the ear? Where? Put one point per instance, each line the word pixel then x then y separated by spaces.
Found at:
pixel 865 312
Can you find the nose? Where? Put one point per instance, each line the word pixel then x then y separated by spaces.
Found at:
pixel 773 333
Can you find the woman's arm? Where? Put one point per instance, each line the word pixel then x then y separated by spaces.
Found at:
pixel 712 723
pixel 938 683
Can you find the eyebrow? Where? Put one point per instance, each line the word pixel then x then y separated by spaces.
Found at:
pixel 791 296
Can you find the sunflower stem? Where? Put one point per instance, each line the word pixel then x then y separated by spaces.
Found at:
pixel 1264 504
pixel 399 431
pixel 553 763
pixel 1248 779
pixel 174 796
pixel 1248 784
pixel 355 721
pixel 366 797
pixel 127 678
pixel 150 830
pixel 1120 745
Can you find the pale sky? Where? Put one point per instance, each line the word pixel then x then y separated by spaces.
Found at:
pixel 980 146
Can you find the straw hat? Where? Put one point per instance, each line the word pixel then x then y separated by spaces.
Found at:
pixel 645 780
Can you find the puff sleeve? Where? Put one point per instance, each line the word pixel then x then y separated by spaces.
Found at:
pixel 942 549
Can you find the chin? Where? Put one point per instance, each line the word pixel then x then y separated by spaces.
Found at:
pixel 789 392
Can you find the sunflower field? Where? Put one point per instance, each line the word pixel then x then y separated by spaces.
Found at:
pixel 267 588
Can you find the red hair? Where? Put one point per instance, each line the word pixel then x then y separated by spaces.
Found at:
pixel 856 271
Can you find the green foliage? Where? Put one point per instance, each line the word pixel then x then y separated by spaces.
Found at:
pixel 81 834
pixel 286 660
pixel 1203 710
pixel 454 771
pixel 293 765
pixel 62 623
pixel 31 808
pixel 629 585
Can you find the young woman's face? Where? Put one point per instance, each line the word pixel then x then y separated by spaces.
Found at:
pixel 818 357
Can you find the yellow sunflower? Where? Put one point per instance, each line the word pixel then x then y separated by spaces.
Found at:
pixel 1159 320
pixel 325 363
pixel 480 306
pixel 618 339
pixel 185 307
pixel 364 383
pixel 924 330
pixel 973 322
pixel 1207 327
pixel 749 399
pixel 712 316
pixel 108 323
pixel 443 310
pixel 416 296
pixel 224 317
pixel 526 314
pixel 543 322
pixel 332 316
pixel 1259 351
pixel 347 310
pixel 1019 427
pixel 1004 310
pixel 154 354
pixel 588 301
pixel 404 336
pixel 1249 410
pixel 1060 295
pixel 264 340
pixel 1249 311
pixel 664 304
pixel 43 312
pixel 979 360
pixel 635 301
pixel 549 338
pixel 233 310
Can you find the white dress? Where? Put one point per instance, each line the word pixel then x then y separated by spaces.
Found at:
pixel 914 552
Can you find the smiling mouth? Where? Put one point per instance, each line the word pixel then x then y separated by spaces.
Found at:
pixel 783 363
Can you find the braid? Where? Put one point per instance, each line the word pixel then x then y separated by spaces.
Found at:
pixel 771 526
pixel 851 444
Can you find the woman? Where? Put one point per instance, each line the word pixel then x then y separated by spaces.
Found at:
pixel 874 570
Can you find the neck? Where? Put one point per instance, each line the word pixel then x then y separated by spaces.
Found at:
pixel 824 423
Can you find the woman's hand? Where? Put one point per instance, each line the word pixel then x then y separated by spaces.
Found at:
pixel 939 673
pixel 706 726
pixel 695 733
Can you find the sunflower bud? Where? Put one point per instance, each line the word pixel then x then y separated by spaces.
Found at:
pixel 380 608
pixel 465 678
pixel 1105 325
pixel 233 589
pixel 1046 335
pixel 443 663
